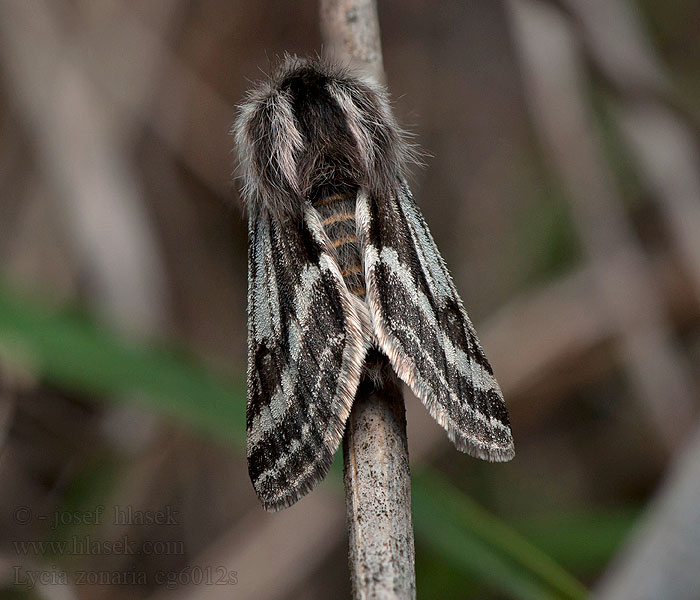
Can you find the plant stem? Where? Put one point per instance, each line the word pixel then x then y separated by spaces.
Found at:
pixel 378 495
pixel 375 448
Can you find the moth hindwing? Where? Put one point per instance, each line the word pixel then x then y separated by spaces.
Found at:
pixel 344 280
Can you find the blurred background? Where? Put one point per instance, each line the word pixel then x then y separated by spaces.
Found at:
pixel 562 184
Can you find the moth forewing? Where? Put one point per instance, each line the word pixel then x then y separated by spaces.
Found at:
pixel 305 360
pixel 423 328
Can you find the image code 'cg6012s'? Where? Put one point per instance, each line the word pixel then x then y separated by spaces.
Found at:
pixel 342 270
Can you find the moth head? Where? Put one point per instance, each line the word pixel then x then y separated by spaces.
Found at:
pixel 313 124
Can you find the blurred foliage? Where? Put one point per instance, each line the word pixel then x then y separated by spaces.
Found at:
pixel 582 541
pixel 478 544
pixel 504 220
pixel 546 235
pixel 673 27
pixel 476 548
pixel 67 349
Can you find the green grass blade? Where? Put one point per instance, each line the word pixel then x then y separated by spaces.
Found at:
pixel 473 539
pixel 73 352
pixel 582 541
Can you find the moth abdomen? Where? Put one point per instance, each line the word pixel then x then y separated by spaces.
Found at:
pixel 336 211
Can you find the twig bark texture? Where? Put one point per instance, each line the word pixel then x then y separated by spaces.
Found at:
pixel 375 448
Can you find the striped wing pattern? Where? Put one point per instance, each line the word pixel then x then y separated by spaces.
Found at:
pixel 421 325
pixel 304 358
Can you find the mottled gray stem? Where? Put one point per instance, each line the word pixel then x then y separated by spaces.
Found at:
pixel 350 30
pixel 375 448
pixel 378 495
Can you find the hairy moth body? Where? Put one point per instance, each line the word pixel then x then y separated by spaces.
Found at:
pixel 344 279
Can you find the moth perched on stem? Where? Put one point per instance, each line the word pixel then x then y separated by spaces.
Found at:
pixel 345 282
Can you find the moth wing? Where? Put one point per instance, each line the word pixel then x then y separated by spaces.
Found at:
pixel 421 325
pixel 305 353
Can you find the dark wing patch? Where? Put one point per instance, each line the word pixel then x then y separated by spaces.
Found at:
pixel 305 353
pixel 422 326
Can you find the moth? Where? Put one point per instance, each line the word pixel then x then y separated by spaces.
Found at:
pixel 345 281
